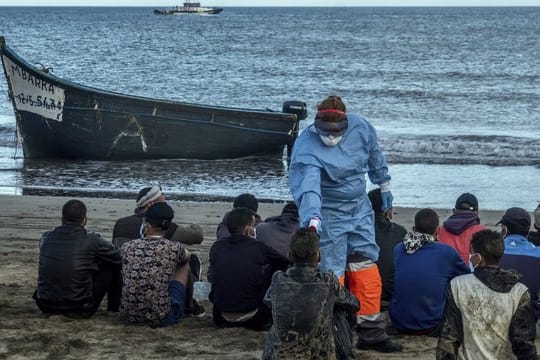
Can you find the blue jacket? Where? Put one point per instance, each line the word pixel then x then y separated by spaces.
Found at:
pixel 522 256
pixel 420 284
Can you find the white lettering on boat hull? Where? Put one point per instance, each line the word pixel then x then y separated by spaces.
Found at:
pixel 32 94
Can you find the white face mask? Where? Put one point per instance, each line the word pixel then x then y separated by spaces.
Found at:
pixel 330 140
pixel 473 267
pixel 254 233
pixel 142 231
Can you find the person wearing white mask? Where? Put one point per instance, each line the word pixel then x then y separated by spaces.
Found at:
pixel 489 314
pixel 327 178
pixel 240 271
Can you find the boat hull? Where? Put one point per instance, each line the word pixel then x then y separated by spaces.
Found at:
pixel 60 119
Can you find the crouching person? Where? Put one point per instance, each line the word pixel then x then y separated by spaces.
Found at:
pixel 155 273
pixel 76 268
pixel 309 307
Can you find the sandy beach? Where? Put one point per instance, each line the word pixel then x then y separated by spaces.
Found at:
pixel 27 334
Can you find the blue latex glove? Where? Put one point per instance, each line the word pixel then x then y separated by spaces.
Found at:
pixel 386 200
pixel 386 196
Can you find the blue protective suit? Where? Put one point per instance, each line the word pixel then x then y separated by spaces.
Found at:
pixel 329 183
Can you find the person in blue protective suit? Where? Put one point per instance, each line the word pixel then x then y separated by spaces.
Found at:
pixel 327 178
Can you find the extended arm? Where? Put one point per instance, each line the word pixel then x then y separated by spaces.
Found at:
pixel 305 184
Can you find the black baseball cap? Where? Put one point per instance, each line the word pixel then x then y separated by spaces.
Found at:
pixel 466 201
pixel 517 219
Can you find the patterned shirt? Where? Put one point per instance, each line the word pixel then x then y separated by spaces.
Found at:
pixel 147 268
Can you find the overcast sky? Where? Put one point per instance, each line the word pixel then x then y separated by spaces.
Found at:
pixel 225 3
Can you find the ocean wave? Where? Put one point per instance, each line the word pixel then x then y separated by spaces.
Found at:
pixel 8 136
pixel 462 149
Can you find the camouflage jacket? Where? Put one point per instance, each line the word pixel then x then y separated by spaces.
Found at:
pixel 302 301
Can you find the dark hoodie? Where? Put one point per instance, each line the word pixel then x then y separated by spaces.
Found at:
pixel 276 231
pixel 458 223
pixel 521 329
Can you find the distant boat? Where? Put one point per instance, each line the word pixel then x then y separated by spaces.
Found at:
pixel 57 118
pixel 189 8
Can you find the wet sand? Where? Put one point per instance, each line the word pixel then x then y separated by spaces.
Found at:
pixel 27 334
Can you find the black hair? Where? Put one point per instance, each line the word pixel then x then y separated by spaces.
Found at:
pixel 246 200
pixel 238 218
pixel 290 208
pixel 159 215
pixel 74 211
pixel 304 246
pixel 426 221
pixel 516 229
pixel 376 200
pixel 489 244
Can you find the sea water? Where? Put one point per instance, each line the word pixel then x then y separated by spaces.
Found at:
pixel 454 93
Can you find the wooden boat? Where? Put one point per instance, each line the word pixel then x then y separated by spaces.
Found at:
pixel 189 8
pixel 57 118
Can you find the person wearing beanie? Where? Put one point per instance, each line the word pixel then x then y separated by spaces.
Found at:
pixel 458 229
pixel 519 253
pixel 276 231
pixel 534 236
pixel 423 270
pixel 155 273
pixel 128 228
pixel 489 313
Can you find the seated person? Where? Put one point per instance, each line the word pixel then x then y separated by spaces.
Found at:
pixel 423 270
pixel 489 313
pixel 276 231
pixel 155 273
pixel 387 235
pixel 520 254
pixel 458 229
pixel 129 227
pixel 241 270
pixel 244 200
pixel 76 267
pixel 303 300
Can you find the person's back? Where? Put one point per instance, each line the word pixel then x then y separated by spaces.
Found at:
pixel 241 269
pixel 423 269
pixel 302 300
pixel 243 200
pixel 458 229
pixel 150 266
pixel 75 266
pixel 276 231
pixel 520 254
pixel 489 314
pixel 387 235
